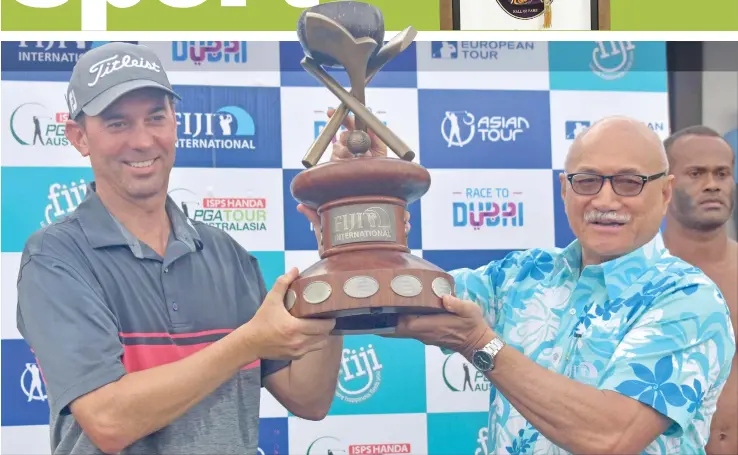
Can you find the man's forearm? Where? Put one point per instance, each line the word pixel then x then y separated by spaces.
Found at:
pixel 312 380
pixel 143 402
pixel 574 416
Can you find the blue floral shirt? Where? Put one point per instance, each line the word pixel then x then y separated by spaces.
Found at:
pixel 647 325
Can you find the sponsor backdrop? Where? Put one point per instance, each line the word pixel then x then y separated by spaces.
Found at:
pixel 491 121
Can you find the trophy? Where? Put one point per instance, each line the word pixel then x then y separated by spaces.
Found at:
pixel 366 277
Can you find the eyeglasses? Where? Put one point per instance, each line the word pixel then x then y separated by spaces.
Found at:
pixel 627 185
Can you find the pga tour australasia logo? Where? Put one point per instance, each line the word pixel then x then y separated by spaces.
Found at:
pixel 460 376
pixel 228 213
pixel 36 125
pixel 612 59
pixel 459 128
pixel 360 374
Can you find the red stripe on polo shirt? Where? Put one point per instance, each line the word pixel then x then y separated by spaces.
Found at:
pixel 138 354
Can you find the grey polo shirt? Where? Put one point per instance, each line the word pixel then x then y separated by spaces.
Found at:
pixel 94 303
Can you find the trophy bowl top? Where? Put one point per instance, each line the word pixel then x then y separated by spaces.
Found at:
pixel 361 176
pixel 362 20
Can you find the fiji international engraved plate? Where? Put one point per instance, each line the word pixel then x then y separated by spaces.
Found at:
pixel 406 285
pixel 361 287
pixel 317 292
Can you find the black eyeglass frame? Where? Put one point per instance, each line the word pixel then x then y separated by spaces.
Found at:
pixel 644 179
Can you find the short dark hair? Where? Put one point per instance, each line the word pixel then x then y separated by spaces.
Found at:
pixel 694 130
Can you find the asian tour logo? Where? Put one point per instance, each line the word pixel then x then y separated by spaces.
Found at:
pixel 63 200
pixel 230 128
pixel 33 124
pixel 460 376
pixel 32 383
pixel 360 375
pixel 200 52
pixel 487 208
pixel 612 59
pixel 459 128
pixel 231 214
pixel 476 50
pixel 329 445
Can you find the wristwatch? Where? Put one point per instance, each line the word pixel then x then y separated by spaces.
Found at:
pixel 484 359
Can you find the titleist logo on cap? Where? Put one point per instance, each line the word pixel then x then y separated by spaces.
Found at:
pixel 113 64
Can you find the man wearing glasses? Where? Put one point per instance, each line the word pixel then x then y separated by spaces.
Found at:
pixel 610 345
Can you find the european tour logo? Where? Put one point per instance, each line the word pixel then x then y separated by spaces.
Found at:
pixel 196 15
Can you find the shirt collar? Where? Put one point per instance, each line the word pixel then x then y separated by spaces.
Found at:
pixel 617 274
pixel 102 229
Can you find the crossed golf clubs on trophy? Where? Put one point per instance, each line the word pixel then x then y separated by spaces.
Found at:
pixel 327 42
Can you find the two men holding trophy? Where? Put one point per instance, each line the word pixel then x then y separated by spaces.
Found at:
pixel 594 348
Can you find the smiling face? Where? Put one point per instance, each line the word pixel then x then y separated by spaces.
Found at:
pixel 607 224
pixel 704 185
pixel 131 144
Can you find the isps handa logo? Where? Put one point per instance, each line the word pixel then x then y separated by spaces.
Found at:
pixel 63 199
pixel 227 128
pixel 460 376
pixel 460 128
pixel 360 375
pixel 231 214
pixel 34 124
pixel 488 208
pixel 329 445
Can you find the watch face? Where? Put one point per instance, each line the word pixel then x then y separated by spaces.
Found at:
pixel 482 360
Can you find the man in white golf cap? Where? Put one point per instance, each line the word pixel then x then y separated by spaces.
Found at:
pixel 155 333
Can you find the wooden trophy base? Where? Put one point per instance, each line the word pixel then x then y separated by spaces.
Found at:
pixel 366 277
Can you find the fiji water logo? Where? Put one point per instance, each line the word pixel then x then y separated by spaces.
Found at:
pixel 32 383
pixel 329 445
pixel 459 128
pixel 229 127
pixel 36 125
pixel 488 207
pixel 476 50
pixel 612 59
pixel 460 376
pixel 200 52
pixel 63 200
pixel 320 121
pixel 230 214
pixel 482 437
pixel 360 375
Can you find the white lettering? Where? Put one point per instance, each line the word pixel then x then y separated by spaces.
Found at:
pixel 112 64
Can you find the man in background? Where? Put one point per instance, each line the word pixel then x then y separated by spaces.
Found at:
pixel 702 163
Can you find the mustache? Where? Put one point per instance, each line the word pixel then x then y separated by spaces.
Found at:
pixel 596 215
